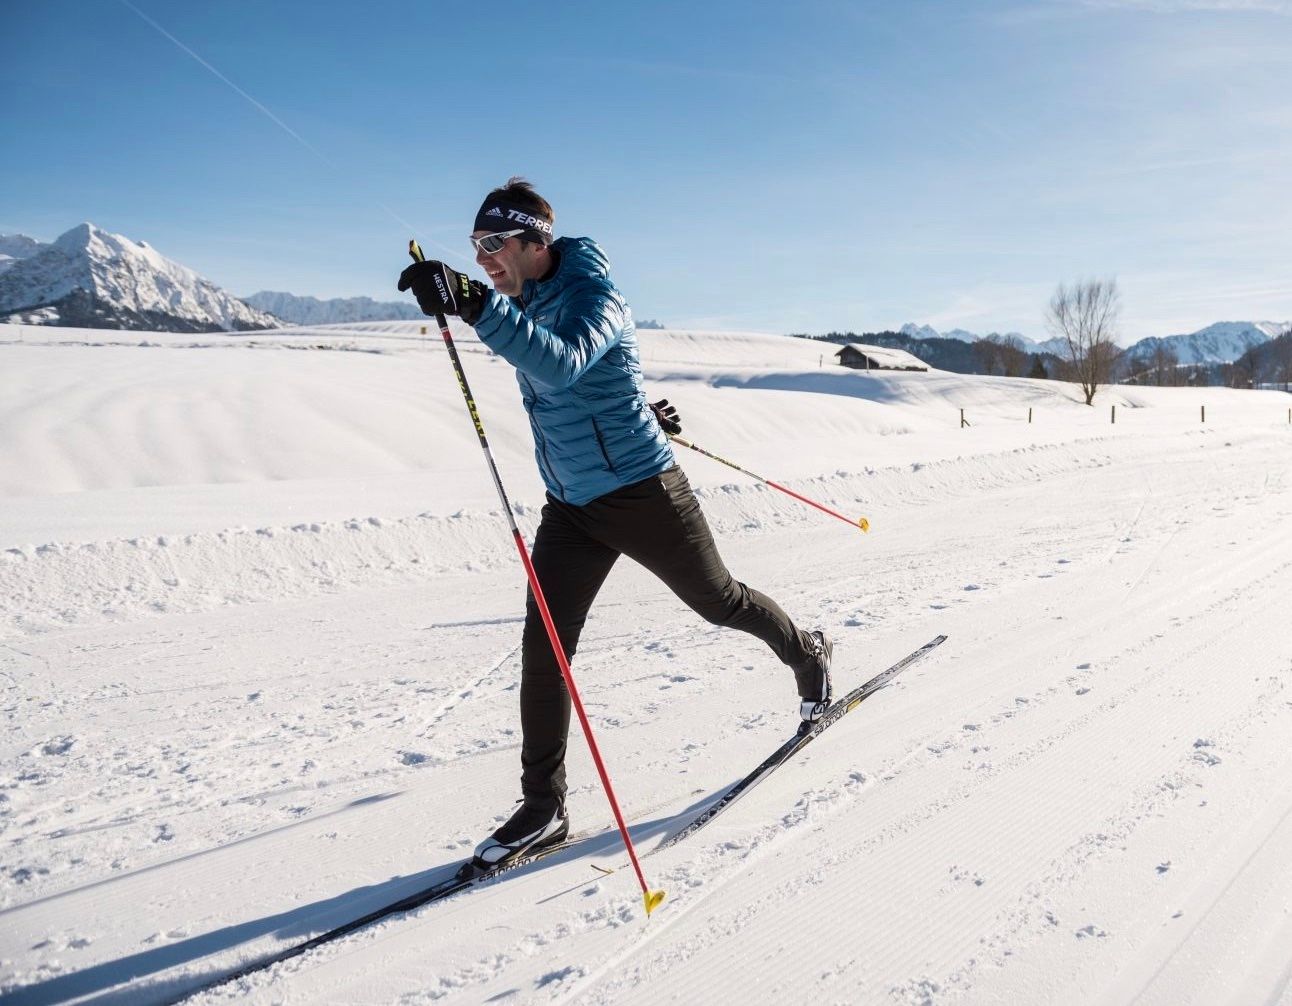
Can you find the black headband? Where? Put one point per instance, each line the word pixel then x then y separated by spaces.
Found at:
pixel 500 215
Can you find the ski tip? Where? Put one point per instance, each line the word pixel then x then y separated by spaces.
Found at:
pixel 863 523
pixel 652 899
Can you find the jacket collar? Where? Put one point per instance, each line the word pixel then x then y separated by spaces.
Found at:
pixel 529 290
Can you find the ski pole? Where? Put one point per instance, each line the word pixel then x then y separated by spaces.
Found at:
pixel 860 522
pixel 651 899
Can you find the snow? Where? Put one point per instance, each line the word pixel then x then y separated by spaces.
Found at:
pixel 259 651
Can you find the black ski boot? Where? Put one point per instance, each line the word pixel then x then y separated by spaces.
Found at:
pixel 531 828
pixel 813 677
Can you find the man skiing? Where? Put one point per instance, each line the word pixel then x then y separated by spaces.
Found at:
pixel 613 487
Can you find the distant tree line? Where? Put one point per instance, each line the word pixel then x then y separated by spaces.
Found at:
pixel 993 354
pixel 1085 314
pixel 1269 364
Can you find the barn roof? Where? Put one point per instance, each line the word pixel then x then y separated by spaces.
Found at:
pixel 882 356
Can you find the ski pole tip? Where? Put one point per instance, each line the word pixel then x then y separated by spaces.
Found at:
pixel 652 900
pixel 863 523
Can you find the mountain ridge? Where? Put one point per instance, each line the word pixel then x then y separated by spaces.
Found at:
pixel 305 310
pixel 92 278
pixel 1219 342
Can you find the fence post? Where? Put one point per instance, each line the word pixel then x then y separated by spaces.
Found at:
pixel 1114 415
pixel 1029 413
pixel 1204 413
pixel 963 421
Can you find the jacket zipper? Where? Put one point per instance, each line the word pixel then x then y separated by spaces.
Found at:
pixel 596 430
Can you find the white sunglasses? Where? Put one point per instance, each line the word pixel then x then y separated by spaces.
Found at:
pixel 492 244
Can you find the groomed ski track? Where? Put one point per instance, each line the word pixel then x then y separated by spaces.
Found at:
pixel 1081 797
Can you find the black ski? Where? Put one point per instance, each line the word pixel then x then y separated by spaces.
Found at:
pixel 467 876
pixel 806 735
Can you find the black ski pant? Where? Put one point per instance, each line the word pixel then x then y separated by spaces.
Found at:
pixel 658 523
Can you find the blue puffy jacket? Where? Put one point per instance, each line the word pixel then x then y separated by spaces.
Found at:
pixel 572 341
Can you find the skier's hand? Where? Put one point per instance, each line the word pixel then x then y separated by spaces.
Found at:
pixel 441 290
pixel 667 416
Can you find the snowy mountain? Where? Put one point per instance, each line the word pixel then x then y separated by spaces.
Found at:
pixel 920 331
pixel 16 247
pixel 93 279
pixel 1223 342
pixel 337 311
pixel 962 335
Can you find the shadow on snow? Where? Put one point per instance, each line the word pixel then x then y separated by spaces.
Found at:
pixel 290 927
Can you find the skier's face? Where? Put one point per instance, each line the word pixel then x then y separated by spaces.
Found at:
pixel 514 263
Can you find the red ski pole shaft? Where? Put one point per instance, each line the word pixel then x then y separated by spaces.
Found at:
pixel 650 899
pixel 860 522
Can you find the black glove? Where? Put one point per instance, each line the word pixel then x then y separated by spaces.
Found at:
pixel 667 415
pixel 441 290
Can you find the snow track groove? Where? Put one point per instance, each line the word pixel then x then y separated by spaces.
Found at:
pixel 872 870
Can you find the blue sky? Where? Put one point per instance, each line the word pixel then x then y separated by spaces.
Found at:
pixel 809 167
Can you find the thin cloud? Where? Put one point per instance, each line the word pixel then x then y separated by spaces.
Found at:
pixel 741 76
pixel 1191 6
pixel 1056 9
pixel 998 307
pixel 1182 163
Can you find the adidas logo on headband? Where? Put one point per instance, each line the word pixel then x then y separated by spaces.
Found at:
pixel 495 212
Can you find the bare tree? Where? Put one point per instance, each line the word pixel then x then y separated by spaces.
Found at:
pixel 1000 352
pixel 1242 373
pixel 1013 357
pixel 987 352
pixel 1085 316
pixel 1164 366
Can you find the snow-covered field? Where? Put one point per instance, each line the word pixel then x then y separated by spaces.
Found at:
pixel 259 627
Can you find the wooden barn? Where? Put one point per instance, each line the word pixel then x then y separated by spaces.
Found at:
pixel 862 357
